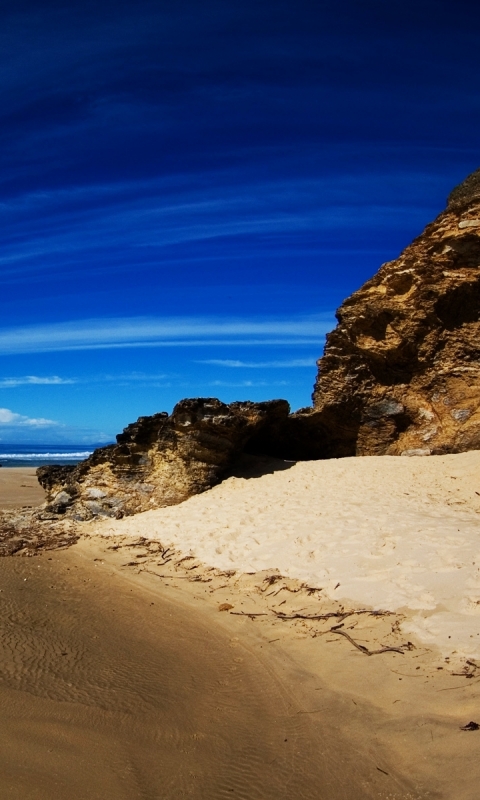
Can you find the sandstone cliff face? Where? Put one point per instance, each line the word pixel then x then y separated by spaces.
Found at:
pixel 400 375
pixel 401 371
pixel 161 460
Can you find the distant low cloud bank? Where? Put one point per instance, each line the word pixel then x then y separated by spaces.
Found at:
pixel 14 420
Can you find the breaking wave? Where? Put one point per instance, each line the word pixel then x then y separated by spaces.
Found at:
pixel 43 456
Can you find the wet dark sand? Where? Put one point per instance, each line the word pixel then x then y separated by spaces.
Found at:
pixel 19 487
pixel 109 691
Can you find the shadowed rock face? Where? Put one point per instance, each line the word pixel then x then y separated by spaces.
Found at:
pixel 161 460
pixel 401 371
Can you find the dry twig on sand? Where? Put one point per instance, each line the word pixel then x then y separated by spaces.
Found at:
pixel 26 532
pixel 364 649
pixel 247 614
pixel 339 614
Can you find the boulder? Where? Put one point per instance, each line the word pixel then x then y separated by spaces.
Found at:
pixel 161 460
pixel 400 374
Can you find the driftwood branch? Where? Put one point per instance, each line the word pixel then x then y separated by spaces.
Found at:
pixel 173 576
pixel 246 614
pixel 339 614
pixel 364 649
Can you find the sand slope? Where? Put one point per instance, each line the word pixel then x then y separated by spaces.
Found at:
pixel 388 532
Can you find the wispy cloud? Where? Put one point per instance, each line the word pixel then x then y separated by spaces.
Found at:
pixel 254 384
pixel 56 380
pixel 92 334
pixel 34 380
pixel 127 377
pixel 14 420
pixel 289 364
pixel 139 217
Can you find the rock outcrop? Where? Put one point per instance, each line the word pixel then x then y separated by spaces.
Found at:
pixel 400 375
pixel 401 372
pixel 161 460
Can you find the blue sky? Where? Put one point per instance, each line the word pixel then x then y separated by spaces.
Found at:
pixel 188 190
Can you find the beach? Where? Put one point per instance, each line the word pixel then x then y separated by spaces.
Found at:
pixel 306 630
pixel 390 533
pixel 19 487
pixel 112 689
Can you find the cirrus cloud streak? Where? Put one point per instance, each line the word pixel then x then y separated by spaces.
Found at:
pixel 34 380
pixel 163 332
pixel 235 364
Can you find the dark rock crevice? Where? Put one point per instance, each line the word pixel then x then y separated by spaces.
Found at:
pixel 162 460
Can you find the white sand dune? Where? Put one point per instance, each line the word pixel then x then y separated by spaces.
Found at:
pixel 388 532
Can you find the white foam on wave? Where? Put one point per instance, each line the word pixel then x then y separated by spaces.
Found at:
pixel 43 456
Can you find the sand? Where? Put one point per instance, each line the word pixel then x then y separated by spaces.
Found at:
pixel 111 690
pixel 221 648
pixel 386 726
pixel 19 487
pixel 392 533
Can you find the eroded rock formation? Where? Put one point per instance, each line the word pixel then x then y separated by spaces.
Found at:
pixel 161 460
pixel 401 371
pixel 400 375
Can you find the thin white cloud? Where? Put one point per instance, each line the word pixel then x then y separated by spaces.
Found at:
pixel 291 363
pixel 128 377
pixel 12 419
pixel 92 334
pixel 34 380
pixel 249 383
pixel 158 213
pixel 55 380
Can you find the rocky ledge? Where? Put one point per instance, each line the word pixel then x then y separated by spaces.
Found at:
pixel 162 460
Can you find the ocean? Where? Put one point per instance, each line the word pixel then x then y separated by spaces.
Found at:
pixel 37 455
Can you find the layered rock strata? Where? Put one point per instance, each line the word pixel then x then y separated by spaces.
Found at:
pixel 161 460
pixel 401 372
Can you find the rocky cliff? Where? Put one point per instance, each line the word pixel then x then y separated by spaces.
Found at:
pixel 400 375
pixel 401 372
pixel 161 460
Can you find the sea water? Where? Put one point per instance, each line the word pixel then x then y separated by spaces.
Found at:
pixel 37 455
